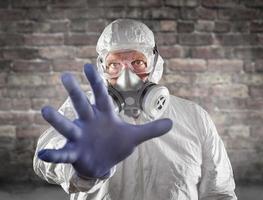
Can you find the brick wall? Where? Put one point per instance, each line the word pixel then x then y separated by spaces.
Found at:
pixel 213 51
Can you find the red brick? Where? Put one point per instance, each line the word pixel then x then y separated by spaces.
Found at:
pixel 4 4
pixel 259 66
pixel 238 14
pixel 161 13
pixel 246 117
pixel 134 13
pixel 21 104
pixel 185 27
pixel 168 25
pixel 211 78
pixel 236 39
pixel 225 65
pixel 248 79
pixel 114 13
pixel 37 104
pixel 175 78
pixel 42 27
pixel 256 91
pixel 195 39
pixel 5 66
pixel 257 132
pixel 206 14
pixel 7 132
pixel 39 120
pixel 222 27
pixel 6 118
pixel 38 14
pixel 5 104
pixel 253 3
pixel 49 92
pixel 154 25
pixel 29 3
pixel 18 92
pixel 240 26
pixel 19 53
pixel 165 38
pixel 25 80
pixel 226 103
pixel 52 79
pixel 11 15
pixel 146 3
pixel 88 26
pixel 204 26
pixel 187 91
pixel 185 3
pixel 29 66
pixel 61 65
pixel 86 52
pixel 61 26
pixel 25 26
pixel 196 65
pixel 248 52
pixel 188 13
pixel 52 52
pixel 255 104
pixel 11 40
pixel 44 39
pixel 172 52
pixel 256 27
pixel 113 3
pixel 210 52
pixel 234 90
pixel 260 39
pixel 84 13
pixel 220 3
pixel 95 3
pixel 68 3
pixel 16 118
pixel 30 131
pixel 81 39
pixel 3 79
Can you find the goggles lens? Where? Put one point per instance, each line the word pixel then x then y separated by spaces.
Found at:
pixel 114 69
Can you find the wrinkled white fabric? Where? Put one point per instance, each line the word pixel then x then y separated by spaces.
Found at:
pixel 189 162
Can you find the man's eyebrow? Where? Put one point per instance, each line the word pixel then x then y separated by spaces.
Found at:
pixel 141 57
pixel 112 60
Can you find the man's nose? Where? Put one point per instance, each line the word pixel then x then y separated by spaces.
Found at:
pixel 127 65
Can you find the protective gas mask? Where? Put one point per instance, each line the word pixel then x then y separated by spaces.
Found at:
pixel 132 94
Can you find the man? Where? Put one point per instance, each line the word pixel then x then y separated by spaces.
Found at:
pixel 100 147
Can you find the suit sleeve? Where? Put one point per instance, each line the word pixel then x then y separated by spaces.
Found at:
pixel 62 173
pixel 217 180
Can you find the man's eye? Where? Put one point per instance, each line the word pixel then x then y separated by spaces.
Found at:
pixel 113 65
pixel 138 62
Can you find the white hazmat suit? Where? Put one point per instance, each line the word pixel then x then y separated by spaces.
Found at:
pixel 189 162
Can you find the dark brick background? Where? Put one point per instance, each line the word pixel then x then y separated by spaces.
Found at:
pixel 213 51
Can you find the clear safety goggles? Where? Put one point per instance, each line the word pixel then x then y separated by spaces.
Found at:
pixel 114 69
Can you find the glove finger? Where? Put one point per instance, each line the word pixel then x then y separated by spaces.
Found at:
pixel 64 155
pixel 151 130
pixel 102 98
pixel 78 97
pixel 63 125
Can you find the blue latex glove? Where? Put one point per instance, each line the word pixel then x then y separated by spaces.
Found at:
pixel 98 139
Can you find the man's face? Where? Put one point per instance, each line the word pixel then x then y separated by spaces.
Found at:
pixel 116 62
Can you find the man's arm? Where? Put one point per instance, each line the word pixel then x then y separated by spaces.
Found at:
pixel 217 175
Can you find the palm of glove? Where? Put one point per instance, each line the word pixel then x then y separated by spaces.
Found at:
pixel 110 140
pixel 98 139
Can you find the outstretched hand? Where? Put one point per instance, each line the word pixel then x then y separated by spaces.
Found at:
pixel 98 139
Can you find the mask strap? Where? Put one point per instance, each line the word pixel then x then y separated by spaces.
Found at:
pixel 156 55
